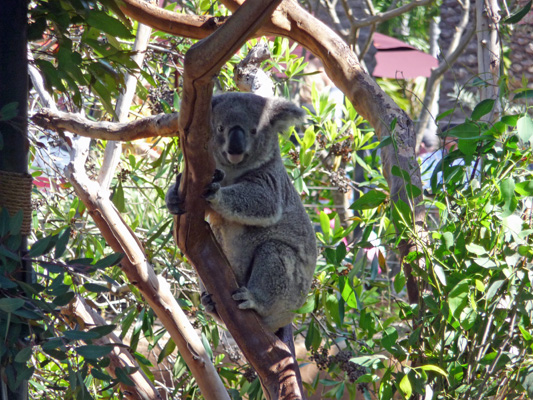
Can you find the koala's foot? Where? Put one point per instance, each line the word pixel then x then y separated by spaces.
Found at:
pixel 246 299
pixel 212 189
pixel 208 303
pixel 173 200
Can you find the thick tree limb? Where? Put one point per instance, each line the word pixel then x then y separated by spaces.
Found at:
pixel 154 289
pixel 185 25
pixel 267 354
pixel 158 125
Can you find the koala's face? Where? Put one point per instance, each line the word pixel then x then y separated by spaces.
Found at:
pixel 245 127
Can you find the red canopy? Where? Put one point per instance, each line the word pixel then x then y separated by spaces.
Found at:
pixel 396 59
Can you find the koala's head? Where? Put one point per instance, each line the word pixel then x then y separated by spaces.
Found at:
pixel 245 127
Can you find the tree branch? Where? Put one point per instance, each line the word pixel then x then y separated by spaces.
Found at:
pixel 462 36
pixel 385 16
pixel 267 354
pixel 157 125
pixel 119 357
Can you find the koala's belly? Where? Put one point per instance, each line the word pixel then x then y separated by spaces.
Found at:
pixel 237 244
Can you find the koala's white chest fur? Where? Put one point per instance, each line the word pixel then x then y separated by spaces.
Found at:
pixel 232 238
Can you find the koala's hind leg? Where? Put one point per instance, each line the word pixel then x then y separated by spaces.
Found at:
pixel 275 287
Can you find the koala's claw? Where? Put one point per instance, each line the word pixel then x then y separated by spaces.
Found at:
pixel 208 303
pixel 210 191
pixel 245 297
pixel 173 201
pixel 218 175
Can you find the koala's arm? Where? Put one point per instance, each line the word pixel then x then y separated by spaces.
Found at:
pixel 256 200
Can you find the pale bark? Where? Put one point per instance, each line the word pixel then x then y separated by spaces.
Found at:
pixel 155 290
pixel 248 75
pixel 464 32
pixel 113 149
pixel 157 125
pixel 120 357
pixel 488 50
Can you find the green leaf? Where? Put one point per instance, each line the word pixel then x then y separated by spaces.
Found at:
pixel 307 307
pixel 468 130
pixel 42 246
pixel 15 222
pixel 308 139
pixel 405 387
pixel 96 288
pixel 92 352
pixel 369 200
pixel 439 271
pixel 100 20
pixel 444 114
pixel 401 173
pixel 524 188
pixel 24 355
pixel 63 299
pixel 103 330
pixel 123 376
pixel 118 199
pixel 399 281
pixel 524 94
pixel 62 242
pixel 390 336
pixel 524 127
pixel 517 16
pixel 476 249
pixel 109 261
pixel 467 147
pixel 434 368
pixel 80 335
pixel 494 287
pixel 325 225
pixel 99 374
pixel 10 304
pixel 507 190
pixel 482 108
pixel 458 297
pixel 167 350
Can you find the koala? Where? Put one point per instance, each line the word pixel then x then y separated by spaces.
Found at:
pixel 254 211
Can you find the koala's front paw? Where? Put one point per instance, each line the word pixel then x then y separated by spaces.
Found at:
pixel 211 191
pixel 245 297
pixel 218 175
pixel 173 200
pixel 208 303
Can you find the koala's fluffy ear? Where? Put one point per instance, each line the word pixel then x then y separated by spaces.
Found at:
pixel 281 114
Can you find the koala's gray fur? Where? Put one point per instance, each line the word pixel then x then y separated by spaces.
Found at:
pixel 255 212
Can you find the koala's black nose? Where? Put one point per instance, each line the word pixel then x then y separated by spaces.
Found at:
pixel 236 140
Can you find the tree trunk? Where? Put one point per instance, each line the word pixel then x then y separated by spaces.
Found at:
pixel 15 183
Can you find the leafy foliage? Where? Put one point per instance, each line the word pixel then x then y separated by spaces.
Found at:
pixel 469 336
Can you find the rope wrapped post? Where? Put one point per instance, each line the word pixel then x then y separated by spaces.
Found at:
pixel 15 195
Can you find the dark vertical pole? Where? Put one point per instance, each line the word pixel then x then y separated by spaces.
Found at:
pixel 14 85
pixel 14 145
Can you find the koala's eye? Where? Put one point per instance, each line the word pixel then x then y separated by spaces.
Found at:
pixel 220 129
pixel 253 131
